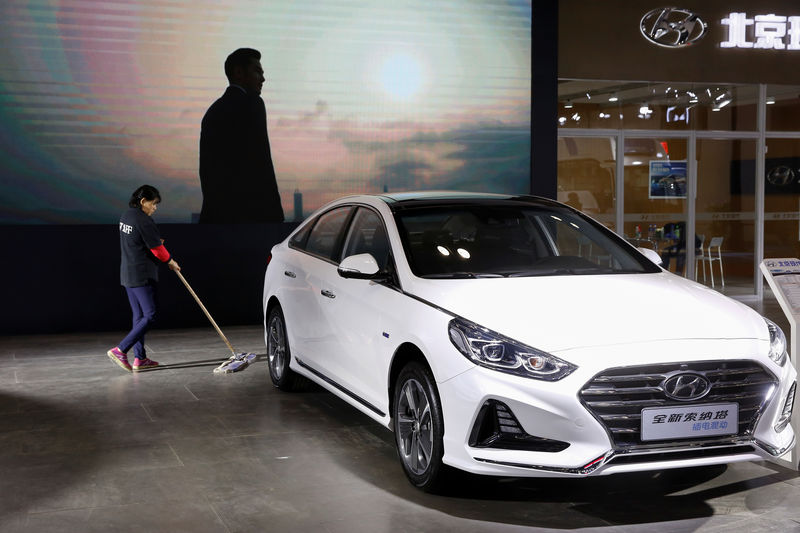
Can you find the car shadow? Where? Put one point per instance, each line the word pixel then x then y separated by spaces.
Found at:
pixel 663 496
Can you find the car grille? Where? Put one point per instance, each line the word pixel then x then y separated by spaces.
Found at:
pixel 617 396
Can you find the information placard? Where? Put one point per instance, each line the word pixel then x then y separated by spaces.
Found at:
pixel 783 277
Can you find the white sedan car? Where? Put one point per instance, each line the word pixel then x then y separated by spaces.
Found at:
pixel 514 336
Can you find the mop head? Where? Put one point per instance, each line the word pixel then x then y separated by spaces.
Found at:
pixel 235 363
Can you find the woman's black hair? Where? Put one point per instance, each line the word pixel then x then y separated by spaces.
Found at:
pixel 145 192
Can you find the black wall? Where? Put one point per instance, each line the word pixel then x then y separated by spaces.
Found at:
pixel 66 278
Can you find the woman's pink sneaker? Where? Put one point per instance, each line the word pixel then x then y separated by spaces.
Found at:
pixel 144 364
pixel 116 355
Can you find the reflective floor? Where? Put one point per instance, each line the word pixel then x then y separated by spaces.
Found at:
pixel 85 446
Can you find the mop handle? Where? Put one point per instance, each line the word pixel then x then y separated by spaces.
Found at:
pixel 203 307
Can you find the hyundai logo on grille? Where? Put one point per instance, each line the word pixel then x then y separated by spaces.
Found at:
pixel 686 386
pixel 672 27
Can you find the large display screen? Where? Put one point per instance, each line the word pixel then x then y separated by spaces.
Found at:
pixel 99 97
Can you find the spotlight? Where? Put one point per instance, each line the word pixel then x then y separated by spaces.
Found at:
pixel 613 98
pixel 568 104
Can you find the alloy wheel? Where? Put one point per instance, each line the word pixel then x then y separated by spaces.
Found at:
pixel 276 350
pixel 415 427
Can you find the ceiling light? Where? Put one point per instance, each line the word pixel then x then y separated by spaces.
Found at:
pixel 770 100
pixel 613 98
pixel 568 104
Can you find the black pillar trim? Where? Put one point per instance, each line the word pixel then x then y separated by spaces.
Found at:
pixel 544 98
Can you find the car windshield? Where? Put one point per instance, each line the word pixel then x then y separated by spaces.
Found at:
pixel 511 240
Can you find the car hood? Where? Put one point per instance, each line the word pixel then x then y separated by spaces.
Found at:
pixel 557 313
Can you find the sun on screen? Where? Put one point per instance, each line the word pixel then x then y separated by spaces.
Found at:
pixel 401 76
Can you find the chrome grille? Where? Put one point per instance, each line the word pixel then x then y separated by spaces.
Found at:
pixel 617 396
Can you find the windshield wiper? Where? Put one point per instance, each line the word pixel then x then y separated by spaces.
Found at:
pixel 461 275
pixel 561 272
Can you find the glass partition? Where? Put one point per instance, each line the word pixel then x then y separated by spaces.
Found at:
pixel 782 198
pixel 586 176
pixel 725 214
pixel 783 107
pixel 656 197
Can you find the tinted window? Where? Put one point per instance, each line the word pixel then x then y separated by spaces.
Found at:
pixel 298 240
pixel 511 240
pixel 326 232
pixel 367 235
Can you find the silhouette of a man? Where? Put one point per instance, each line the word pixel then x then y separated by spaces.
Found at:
pixel 236 172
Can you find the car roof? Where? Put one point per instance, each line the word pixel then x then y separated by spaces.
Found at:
pixel 403 200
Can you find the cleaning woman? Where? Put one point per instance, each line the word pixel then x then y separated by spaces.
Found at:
pixel 142 249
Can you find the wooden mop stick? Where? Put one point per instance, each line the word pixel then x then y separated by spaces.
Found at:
pixel 203 307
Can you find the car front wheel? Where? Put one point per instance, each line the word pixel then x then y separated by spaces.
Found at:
pixel 418 427
pixel 278 352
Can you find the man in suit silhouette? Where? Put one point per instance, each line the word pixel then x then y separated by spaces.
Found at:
pixel 236 173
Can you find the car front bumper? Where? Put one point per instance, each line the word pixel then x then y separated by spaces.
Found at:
pixel 556 412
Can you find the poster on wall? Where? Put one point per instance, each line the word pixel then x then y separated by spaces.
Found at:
pixel 98 98
pixel 667 179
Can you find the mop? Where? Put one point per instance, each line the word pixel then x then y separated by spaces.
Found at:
pixel 238 360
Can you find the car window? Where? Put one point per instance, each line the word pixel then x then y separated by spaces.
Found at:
pixel 511 240
pixel 298 240
pixel 367 235
pixel 326 232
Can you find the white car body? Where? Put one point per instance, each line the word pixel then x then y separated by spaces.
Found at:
pixel 349 343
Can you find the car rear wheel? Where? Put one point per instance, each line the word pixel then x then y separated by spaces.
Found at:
pixel 418 427
pixel 278 353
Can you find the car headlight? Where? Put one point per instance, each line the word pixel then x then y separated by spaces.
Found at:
pixel 487 348
pixel 777 343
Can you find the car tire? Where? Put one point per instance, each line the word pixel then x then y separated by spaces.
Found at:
pixel 419 427
pixel 279 354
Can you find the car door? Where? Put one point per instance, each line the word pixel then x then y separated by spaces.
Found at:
pixel 355 310
pixel 313 262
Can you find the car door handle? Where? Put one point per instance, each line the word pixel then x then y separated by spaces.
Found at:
pixel 289 274
pixel 328 294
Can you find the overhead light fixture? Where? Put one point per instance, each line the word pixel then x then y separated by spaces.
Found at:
pixel 613 98
pixel 770 100
pixel 568 104
pixel 588 96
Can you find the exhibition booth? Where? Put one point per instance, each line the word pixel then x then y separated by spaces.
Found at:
pixel 681 126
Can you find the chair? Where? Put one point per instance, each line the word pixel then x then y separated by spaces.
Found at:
pixel 716 242
pixel 699 256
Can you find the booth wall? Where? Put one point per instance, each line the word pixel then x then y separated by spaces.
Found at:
pixel 66 278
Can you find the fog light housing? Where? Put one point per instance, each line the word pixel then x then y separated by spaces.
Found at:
pixel 497 427
pixel 788 406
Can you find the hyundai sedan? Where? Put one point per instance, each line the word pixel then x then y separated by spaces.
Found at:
pixel 514 336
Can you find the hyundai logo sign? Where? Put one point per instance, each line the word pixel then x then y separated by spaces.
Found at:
pixel 672 27
pixel 686 386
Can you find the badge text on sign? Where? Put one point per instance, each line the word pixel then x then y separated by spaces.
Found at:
pixel 691 421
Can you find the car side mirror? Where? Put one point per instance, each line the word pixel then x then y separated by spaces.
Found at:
pixel 652 255
pixel 360 266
